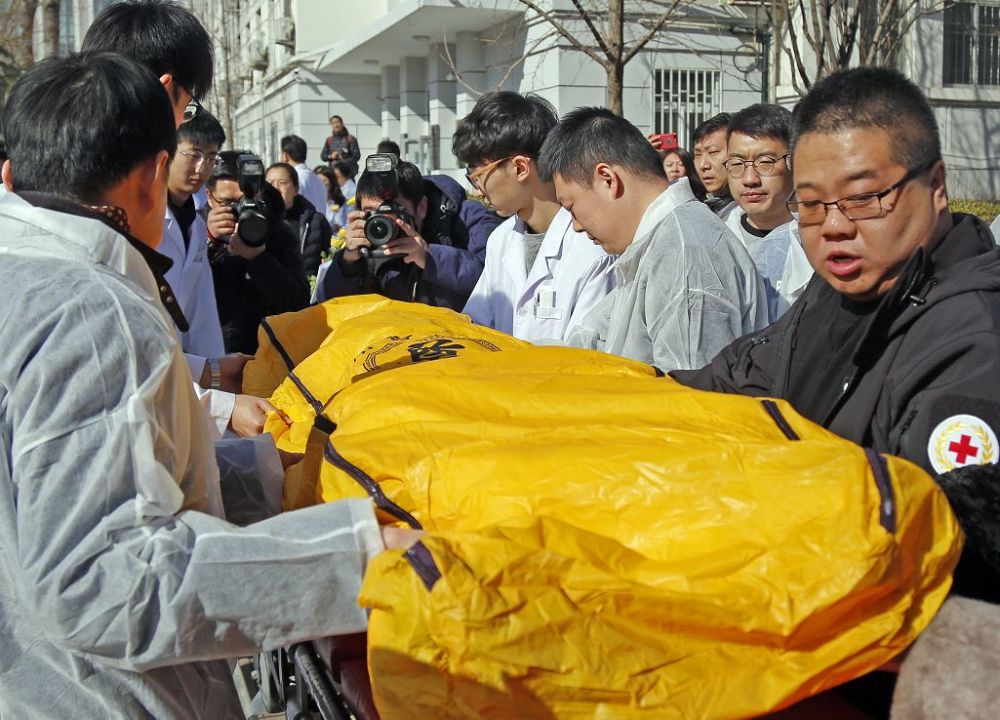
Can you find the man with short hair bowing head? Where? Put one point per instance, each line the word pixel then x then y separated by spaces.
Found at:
pixel 686 286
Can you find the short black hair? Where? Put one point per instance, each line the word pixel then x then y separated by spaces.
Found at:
pixel 77 126
pixel 503 124
pixel 591 135
pixel 713 124
pixel 289 170
pixel 411 183
pixel 161 35
pixel 763 120
pixel 388 146
pixel 872 97
pixel 202 130
pixel 226 168
pixel 295 147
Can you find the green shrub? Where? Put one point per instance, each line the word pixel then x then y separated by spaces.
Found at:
pixel 983 208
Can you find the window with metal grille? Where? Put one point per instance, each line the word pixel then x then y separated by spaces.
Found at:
pixel 972 44
pixel 683 99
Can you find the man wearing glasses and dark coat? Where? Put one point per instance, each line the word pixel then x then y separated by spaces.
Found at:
pixel 895 343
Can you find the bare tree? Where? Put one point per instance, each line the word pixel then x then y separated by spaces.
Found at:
pixel 604 38
pixel 17 24
pixel 819 37
pixel 50 27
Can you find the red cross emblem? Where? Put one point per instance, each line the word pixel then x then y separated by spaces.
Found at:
pixel 963 449
pixel 962 440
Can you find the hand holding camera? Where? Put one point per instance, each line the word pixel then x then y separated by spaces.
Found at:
pixel 241 227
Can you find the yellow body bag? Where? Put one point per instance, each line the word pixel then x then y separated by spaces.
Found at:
pixel 606 543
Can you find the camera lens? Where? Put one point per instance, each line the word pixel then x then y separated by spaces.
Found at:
pixel 379 229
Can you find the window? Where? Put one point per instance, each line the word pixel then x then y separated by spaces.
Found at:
pixel 683 99
pixel 972 44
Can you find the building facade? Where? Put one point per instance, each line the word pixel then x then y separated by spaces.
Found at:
pixel 408 70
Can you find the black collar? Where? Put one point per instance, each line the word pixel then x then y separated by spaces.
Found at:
pixel 158 264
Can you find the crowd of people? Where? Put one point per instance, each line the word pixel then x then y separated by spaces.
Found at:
pixel 808 255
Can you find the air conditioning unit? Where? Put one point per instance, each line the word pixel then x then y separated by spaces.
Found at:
pixel 284 32
pixel 257 55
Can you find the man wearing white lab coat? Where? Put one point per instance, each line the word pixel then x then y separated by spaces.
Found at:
pixel 569 275
pixel 541 277
pixel 185 235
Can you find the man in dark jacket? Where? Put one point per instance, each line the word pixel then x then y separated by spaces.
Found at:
pixel 311 226
pixel 439 260
pixel 895 343
pixel 341 145
pixel 251 281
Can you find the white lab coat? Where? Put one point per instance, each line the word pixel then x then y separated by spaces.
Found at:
pixel 570 276
pixel 120 587
pixel 311 187
pixel 191 280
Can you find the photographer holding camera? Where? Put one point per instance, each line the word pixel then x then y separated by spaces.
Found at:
pixel 425 241
pixel 255 256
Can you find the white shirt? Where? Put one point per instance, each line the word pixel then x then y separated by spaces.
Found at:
pixel 570 276
pixel 311 187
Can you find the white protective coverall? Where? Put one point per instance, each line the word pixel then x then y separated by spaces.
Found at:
pixel 686 289
pixel 570 276
pixel 784 267
pixel 121 591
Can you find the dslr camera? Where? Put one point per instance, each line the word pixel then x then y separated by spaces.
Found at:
pixel 251 210
pixel 380 223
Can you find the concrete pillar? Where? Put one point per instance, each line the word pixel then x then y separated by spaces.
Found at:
pixel 390 102
pixel 413 109
pixel 441 107
pixel 471 65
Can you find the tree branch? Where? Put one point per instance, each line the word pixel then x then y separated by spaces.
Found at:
pixel 559 28
pixel 641 43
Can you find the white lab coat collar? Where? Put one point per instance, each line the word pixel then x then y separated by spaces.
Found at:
pixel 676 194
pixel 551 248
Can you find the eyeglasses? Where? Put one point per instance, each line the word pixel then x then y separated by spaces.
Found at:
pixel 191 109
pixel 210 160
pixel 473 176
pixel 764 165
pixel 855 207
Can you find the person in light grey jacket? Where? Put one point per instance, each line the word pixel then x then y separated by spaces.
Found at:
pixel 122 589
pixel 686 286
